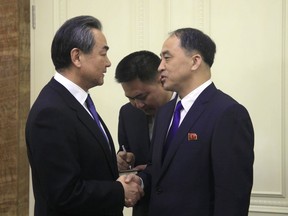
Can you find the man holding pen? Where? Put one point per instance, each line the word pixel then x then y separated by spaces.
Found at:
pixel 140 80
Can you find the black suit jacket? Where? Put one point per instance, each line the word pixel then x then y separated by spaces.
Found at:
pixel 208 169
pixel 73 169
pixel 133 133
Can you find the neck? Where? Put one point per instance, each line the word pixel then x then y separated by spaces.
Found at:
pixel 169 95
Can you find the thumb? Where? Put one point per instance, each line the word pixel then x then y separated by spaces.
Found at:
pixel 129 178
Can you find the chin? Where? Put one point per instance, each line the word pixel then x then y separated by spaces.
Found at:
pixel 166 87
pixel 149 112
pixel 100 83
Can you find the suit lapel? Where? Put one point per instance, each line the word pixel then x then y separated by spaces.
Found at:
pixel 110 152
pixel 162 123
pixel 90 124
pixel 98 134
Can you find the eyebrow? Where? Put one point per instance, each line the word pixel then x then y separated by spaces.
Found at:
pixel 137 96
pixel 106 48
pixel 164 53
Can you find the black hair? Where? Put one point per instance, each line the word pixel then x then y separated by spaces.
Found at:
pixel 74 33
pixel 141 64
pixel 193 39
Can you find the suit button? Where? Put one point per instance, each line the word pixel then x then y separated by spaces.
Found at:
pixel 159 190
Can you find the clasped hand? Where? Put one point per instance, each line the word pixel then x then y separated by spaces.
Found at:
pixel 132 188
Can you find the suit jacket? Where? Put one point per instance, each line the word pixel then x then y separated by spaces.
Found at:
pixel 73 169
pixel 133 133
pixel 208 169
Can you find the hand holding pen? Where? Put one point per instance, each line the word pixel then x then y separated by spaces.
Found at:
pixel 125 160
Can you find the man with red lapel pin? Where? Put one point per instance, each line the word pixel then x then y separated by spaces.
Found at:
pixel 205 168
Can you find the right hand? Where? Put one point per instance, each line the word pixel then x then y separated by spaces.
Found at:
pixel 132 189
pixel 125 160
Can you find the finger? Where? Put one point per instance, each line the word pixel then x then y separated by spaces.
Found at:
pixel 121 167
pixel 132 178
pixel 121 163
pixel 130 158
pixel 128 203
pixel 121 156
pixel 121 179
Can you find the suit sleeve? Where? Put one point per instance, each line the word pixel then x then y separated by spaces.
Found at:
pixel 232 162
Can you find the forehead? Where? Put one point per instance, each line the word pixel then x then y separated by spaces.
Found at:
pixel 171 43
pixel 101 42
pixel 136 87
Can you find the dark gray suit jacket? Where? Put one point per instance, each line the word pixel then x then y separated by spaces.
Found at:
pixel 73 170
pixel 208 169
pixel 133 132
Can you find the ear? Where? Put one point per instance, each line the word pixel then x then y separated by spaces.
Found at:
pixel 196 61
pixel 75 57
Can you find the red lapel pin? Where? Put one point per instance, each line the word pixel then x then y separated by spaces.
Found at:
pixel 192 136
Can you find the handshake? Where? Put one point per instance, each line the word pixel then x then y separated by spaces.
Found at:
pixel 131 182
pixel 132 188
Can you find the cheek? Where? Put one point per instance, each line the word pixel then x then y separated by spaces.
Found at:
pixel 179 72
pixel 98 70
pixel 152 101
pixel 173 70
pixel 99 62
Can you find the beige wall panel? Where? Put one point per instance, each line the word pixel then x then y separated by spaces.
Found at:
pixel 189 13
pixel 41 37
pixel 251 65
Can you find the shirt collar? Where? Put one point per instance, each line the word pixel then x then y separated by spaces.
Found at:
pixel 74 89
pixel 189 99
pixel 174 94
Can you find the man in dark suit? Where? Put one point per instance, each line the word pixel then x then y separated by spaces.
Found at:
pixel 138 75
pixel 206 167
pixel 70 149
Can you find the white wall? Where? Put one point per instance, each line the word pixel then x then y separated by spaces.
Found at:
pixel 251 65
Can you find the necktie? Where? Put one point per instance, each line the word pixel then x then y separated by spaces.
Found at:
pixel 174 127
pixel 92 109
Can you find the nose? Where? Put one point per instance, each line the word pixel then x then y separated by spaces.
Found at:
pixel 108 64
pixel 138 104
pixel 161 66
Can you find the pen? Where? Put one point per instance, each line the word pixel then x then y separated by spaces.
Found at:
pixel 124 149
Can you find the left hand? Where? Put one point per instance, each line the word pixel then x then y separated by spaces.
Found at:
pixel 125 160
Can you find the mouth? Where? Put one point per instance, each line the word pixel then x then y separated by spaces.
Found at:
pixel 162 80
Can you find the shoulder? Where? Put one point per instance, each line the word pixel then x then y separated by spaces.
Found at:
pixel 167 109
pixel 216 97
pixel 128 108
pixel 226 106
